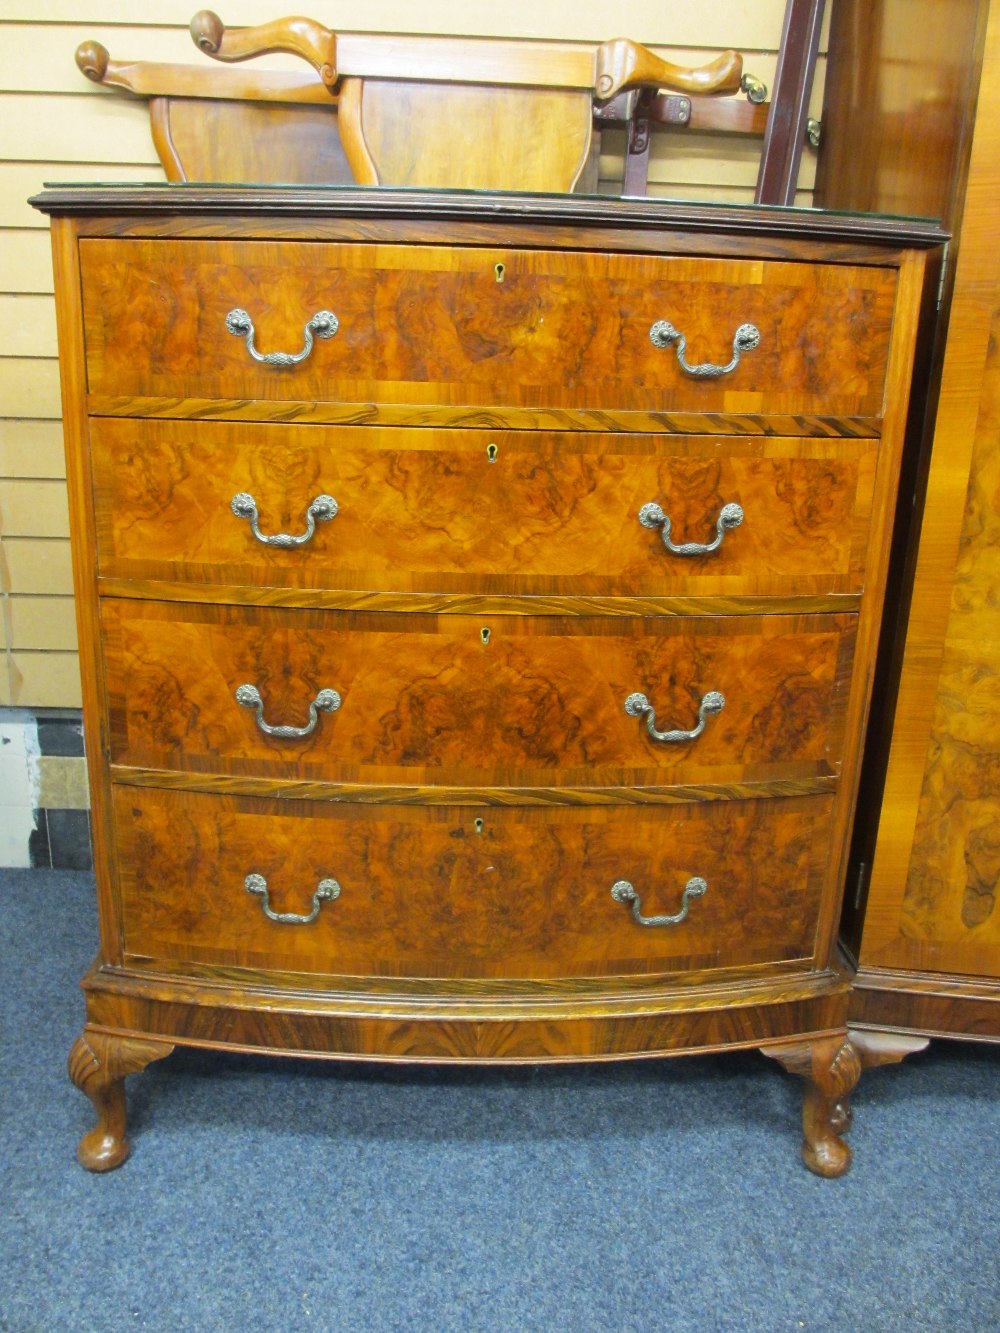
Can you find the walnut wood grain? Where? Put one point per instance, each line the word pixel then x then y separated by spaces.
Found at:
pixel 912 330
pixel 950 914
pixel 398 225
pixel 437 327
pixel 98 1065
pixel 69 320
pixel 932 903
pixel 433 510
pixel 426 700
pixel 505 604
pixel 306 790
pixel 479 997
pixel 424 892
pixel 490 1022
pixel 949 910
pixel 917 1005
pixel 477 418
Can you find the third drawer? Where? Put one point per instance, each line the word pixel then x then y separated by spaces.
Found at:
pixel 475 701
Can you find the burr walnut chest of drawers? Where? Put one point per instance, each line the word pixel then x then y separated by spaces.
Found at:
pixel 478 598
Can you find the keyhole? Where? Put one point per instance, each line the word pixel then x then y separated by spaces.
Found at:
pixel 479 825
pixel 491 452
pixel 484 634
pixel 499 271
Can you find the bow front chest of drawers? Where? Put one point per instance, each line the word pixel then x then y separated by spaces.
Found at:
pixel 477 599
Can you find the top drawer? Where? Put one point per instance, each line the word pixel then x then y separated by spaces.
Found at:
pixel 483 328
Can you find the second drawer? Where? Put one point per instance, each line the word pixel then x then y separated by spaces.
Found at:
pixel 468 701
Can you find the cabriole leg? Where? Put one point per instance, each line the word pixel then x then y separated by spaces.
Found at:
pixel 98 1065
pixel 831 1068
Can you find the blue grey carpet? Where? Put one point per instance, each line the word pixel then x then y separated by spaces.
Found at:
pixel 281 1195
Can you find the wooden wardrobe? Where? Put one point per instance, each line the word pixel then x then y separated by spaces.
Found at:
pixel 912 125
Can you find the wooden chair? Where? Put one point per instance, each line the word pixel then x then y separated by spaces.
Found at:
pixel 267 125
pixel 464 113
pixel 489 114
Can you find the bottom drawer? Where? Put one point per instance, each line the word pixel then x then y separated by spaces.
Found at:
pixel 455 892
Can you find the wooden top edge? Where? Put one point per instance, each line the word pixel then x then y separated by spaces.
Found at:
pixel 458 205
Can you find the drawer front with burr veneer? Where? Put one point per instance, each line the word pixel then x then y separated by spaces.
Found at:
pixel 458 700
pixel 317 508
pixel 454 892
pixel 467 326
